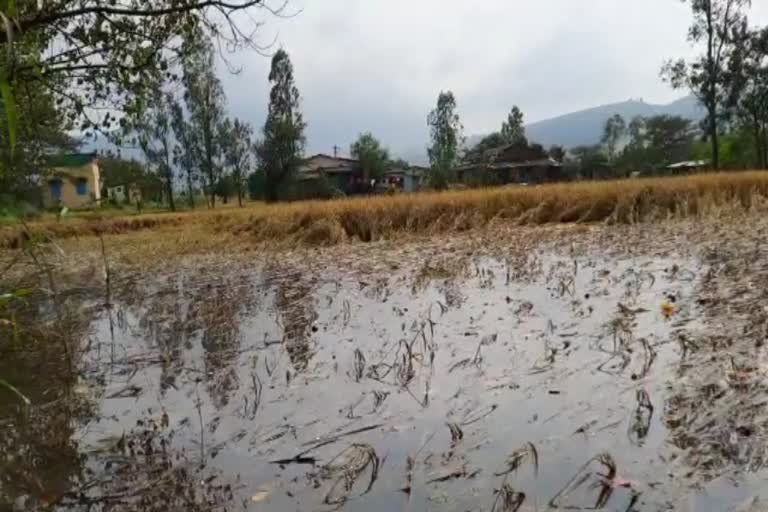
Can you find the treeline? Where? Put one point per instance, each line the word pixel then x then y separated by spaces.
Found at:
pixel 86 66
pixel 187 139
pixel 146 76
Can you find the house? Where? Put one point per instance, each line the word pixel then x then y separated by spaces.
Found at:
pixel 688 166
pixel 405 179
pixel 514 163
pixel 343 174
pixel 72 180
pixel 126 193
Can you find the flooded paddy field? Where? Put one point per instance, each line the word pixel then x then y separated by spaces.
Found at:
pixel 604 368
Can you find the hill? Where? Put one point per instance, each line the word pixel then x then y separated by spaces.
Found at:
pixel 585 127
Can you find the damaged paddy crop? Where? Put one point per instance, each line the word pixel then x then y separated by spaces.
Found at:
pixel 582 367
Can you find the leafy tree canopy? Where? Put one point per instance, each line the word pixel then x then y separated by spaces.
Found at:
pixel 446 132
pixel 372 155
pixel 513 129
pixel 96 53
pixel 280 149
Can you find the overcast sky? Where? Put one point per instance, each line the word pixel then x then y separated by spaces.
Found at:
pixel 379 65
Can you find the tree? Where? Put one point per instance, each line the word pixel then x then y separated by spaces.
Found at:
pixel 481 152
pixel 447 138
pixel 118 171
pixel 184 156
pixel 657 141
pixel 150 122
pixel 372 156
pixel 204 98
pixel 257 185
pixel 398 163
pixel 88 53
pixel 280 150
pixel 40 131
pixel 513 129
pixel 750 95
pixel 115 171
pixel 613 132
pixel 669 138
pixel 557 153
pixel 592 162
pixel 720 26
pixel 636 131
pixel 225 188
pixel 238 151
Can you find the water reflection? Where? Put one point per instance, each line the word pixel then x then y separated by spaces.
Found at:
pixel 189 309
pixel 188 369
pixel 295 305
pixel 40 459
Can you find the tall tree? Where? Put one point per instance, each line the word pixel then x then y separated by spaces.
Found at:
pixel 183 151
pixel 719 26
pixel 204 99
pixel 373 157
pixel 447 138
pixel 613 132
pixel 150 122
pixel 513 129
pixel 636 131
pixel 750 95
pixel 238 152
pixel 280 150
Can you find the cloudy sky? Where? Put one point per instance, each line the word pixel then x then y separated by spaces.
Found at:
pixel 379 65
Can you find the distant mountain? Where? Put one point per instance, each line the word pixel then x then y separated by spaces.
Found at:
pixel 585 127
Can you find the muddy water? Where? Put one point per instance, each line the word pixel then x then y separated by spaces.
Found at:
pixel 478 384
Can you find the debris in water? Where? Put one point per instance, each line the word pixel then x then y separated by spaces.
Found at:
pixel 346 468
pixel 667 310
pixel 508 499
pixel 456 433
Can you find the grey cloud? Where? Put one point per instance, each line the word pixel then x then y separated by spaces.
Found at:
pixel 378 65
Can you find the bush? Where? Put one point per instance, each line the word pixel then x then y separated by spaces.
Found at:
pixel 13 209
pixel 317 188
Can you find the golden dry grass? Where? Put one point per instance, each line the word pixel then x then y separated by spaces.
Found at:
pixel 383 217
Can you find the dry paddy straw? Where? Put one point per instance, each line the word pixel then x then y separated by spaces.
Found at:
pixel 623 201
pixel 382 217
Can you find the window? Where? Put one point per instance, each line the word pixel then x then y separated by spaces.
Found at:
pixel 81 185
pixel 55 189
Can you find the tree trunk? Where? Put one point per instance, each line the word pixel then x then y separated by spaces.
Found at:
pixel 759 153
pixel 169 191
pixel 211 190
pixel 205 195
pixel 190 191
pixel 270 188
pixel 270 194
pixel 240 197
pixel 765 145
pixel 711 99
pixel 714 137
pixel 169 187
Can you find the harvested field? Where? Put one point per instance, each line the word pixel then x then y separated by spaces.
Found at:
pixel 586 367
pixel 376 218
